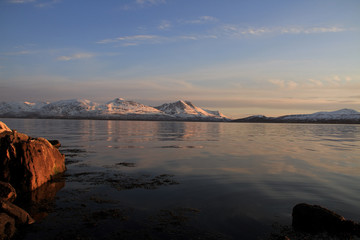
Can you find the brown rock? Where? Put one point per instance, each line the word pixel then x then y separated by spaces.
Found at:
pixel 19 214
pixel 7 226
pixel 4 128
pixel 27 163
pixel 7 192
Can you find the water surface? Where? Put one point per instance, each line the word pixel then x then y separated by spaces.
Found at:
pixel 190 180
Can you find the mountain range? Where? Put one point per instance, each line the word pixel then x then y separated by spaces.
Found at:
pixel 121 109
pixel 118 108
pixel 340 116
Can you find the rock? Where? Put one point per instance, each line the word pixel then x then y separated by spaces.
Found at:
pixel 7 226
pixel 4 128
pixel 314 219
pixel 27 163
pixel 19 214
pixel 7 192
pixel 55 143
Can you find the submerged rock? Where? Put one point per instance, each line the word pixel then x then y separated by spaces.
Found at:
pixel 27 162
pixel 7 226
pixel 314 219
pixel 20 215
pixel 7 192
pixel 40 202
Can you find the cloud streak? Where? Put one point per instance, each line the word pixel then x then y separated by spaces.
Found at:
pixel 76 56
pixel 19 53
pixel 200 20
pixel 236 31
pixel 284 84
pixel 132 39
pixel 312 83
pixel 149 2
pixel 164 25
pixel 37 3
pixel 21 1
pixel 135 40
pixel 225 31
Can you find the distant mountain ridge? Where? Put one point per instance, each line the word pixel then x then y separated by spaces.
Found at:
pixel 122 109
pixel 340 116
pixel 118 108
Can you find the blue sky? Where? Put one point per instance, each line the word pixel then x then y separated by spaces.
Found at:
pixel 239 57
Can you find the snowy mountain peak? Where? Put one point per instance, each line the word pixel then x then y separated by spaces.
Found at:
pixel 66 108
pixel 185 109
pixel 118 100
pixel 342 111
pixel 121 106
pixel 340 116
pixel 17 108
pixel 183 104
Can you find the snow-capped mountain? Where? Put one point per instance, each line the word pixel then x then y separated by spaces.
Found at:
pixel 19 108
pixel 121 106
pixel 67 108
pixel 116 109
pixel 339 116
pixel 335 115
pixel 185 109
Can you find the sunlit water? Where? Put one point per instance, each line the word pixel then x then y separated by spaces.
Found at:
pixel 219 180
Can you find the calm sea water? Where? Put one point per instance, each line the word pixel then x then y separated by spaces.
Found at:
pixel 189 180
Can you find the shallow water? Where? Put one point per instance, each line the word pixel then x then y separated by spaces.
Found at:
pixel 193 180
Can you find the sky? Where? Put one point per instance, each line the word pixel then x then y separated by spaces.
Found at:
pixel 242 57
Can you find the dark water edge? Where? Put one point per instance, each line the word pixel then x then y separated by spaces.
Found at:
pixel 87 211
pixel 149 180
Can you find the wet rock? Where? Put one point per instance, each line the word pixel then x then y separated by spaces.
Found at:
pixel 27 163
pixel 7 192
pixel 55 143
pixel 4 128
pixel 7 226
pixel 314 219
pixel 20 215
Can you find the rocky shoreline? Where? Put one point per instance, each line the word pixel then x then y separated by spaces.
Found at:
pixel 26 164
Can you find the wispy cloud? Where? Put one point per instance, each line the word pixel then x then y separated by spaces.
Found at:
pixel 200 20
pixel 149 2
pixel 284 84
pixel 225 31
pixel 21 1
pixel 236 31
pixel 47 3
pixel 131 40
pixel 196 37
pixel 312 83
pixel 36 3
pixel 19 53
pixel 299 30
pixel 75 56
pixel 164 25
pixel 141 3
pixel 135 40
